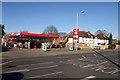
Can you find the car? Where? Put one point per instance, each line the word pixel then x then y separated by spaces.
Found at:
pixel 97 47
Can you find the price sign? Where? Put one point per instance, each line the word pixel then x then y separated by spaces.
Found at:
pixel 76 35
pixel 76 38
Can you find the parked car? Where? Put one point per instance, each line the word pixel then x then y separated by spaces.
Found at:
pixel 97 47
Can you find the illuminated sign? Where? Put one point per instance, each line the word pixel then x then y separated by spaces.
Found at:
pixel 76 35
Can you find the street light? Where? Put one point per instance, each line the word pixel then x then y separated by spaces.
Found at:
pixel 76 33
pixel 77 18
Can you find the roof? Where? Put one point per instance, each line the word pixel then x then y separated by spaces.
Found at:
pixel 84 34
pixel 101 36
pixel 27 34
pixel 89 35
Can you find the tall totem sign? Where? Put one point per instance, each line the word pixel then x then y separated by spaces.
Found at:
pixel 76 34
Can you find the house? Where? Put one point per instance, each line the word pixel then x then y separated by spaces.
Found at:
pixel 87 39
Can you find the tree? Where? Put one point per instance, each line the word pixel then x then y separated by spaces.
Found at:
pixel 98 32
pixel 50 30
pixel 62 34
pixel 103 32
pixel 110 39
pixel 111 44
pixel 70 34
pixel 2 32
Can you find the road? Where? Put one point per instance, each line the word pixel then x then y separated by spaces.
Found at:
pixel 81 66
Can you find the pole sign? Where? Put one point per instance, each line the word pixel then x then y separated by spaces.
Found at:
pixel 75 37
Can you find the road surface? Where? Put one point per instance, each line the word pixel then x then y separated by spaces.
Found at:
pixel 82 66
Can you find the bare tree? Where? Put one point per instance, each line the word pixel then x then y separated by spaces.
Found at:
pixel 62 34
pixel 103 32
pixel 50 30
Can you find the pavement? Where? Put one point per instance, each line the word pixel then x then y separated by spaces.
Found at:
pixel 23 53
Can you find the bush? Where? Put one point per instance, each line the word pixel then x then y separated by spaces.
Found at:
pixel 38 44
pixel 63 44
pixel 113 46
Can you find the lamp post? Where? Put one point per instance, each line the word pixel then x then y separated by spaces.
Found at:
pixel 76 34
pixel 77 21
pixel 77 18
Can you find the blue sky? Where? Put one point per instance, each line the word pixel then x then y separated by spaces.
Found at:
pixel 36 16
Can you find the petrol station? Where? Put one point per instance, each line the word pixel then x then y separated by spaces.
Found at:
pixel 28 37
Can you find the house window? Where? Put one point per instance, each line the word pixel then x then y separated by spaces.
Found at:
pixel 82 39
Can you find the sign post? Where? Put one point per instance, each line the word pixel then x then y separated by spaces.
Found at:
pixel 76 38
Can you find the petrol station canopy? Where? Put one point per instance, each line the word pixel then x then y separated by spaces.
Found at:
pixel 33 35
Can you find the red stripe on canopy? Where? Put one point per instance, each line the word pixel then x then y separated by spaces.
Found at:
pixel 26 34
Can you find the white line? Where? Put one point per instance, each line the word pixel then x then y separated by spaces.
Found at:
pixel 47 74
pixel 80 58
pixel 5 63
pixel 89 65
pixel 46 67
pixel 22 70
pixel 89 77
pixel 83 56
pixel 116 71
pixel 95 55
pixel 37 64
pixel 25 70
pixel 102 62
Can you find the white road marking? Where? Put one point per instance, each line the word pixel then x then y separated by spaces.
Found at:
pixel 74 64
pixel 46 67
pixel 47 74
pixel 98 68
pixel 83 56
pixel 80 58
pixel 116 71
pixel 22 70
pixel 5 63
pixel 89 65
pixel 89 77
pixel 95 55
pixel 111 70
pixel 103 62
pixel 25 70
pixel 37 64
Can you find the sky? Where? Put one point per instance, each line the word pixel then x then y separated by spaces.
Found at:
pixel 36 16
